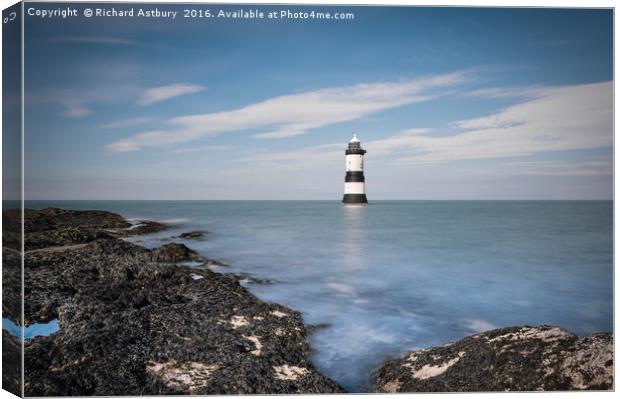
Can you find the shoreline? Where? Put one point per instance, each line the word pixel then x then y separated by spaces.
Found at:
pixel 167 328
pixel 105 293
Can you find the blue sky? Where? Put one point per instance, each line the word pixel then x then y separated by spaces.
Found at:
pixel 451 103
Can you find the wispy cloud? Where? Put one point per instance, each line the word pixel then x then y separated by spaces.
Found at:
pixel 562 118
pixel 508 92
pixel 313 154
pixel 588 167
pixel 80 103
pixel 124 123
pixel 205 148
pixel 161 93
pixel 75 110
pixel 296 114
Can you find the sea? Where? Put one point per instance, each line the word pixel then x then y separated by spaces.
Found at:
pixel 395 276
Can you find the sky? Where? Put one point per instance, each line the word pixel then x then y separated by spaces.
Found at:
pixel 450 103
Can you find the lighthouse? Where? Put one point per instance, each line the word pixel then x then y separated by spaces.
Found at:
pixel 354 186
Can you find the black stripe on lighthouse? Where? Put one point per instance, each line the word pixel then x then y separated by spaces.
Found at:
pixel 354 177
pixel 355 199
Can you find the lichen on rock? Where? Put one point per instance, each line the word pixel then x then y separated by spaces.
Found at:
pixel 509 359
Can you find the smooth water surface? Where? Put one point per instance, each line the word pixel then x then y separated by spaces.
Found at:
pixel 402 275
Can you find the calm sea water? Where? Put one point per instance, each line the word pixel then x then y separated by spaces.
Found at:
pixel 401 275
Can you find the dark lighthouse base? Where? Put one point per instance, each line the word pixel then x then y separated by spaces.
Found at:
pixel 355 199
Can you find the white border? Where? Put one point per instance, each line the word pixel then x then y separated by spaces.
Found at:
pixel 462 3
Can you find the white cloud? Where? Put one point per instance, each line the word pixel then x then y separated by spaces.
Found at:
pixel 123 147
pixel 508 92
pixel 80 103
pixel 587 167
pixel 201 149
pixel 161 93
pixel 319 153
pixel 124 123
pixel 295 114
pixel 75 110
pixel 562 118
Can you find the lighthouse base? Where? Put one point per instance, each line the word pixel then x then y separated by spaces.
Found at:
pixel 355 199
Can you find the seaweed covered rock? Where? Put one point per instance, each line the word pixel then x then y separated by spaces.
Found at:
pixel 192 235
pixel 11 285
pixel 56 227
pixel 516 359
pixel 55 218
pixel 164 327
pixel 11 363
pixel 11 229
pixel 173 252
pixel 140 228
pixel 63 236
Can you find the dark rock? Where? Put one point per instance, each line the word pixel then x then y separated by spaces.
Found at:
pixel 134 322
pixel 141 228
pixel 54 218
pixel 11 284
pixel 57 227
pixel 192 235
pixel 62 237
pixel 11 363
pixel 524 358
pixel 11 229
pixel 173 252
pixel 11 300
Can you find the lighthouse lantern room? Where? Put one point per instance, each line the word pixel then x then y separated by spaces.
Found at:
pixel 354 184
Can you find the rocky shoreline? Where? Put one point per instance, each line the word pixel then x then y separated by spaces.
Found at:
pixel 138 321
pixel 544 358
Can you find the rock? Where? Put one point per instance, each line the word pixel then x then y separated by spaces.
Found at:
pixel 54 218
pixel 11 364
pixel 192 235
pixel 11 285
pixel 11 229
pixel 173 252
pixel 163 331
pixel 141 228
pixel 523 358
pixel 57 227
pixel 62 237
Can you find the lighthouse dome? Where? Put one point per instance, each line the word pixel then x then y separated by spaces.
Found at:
pixel 355 146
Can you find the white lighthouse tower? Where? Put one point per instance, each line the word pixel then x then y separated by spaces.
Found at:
pixel 354 186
